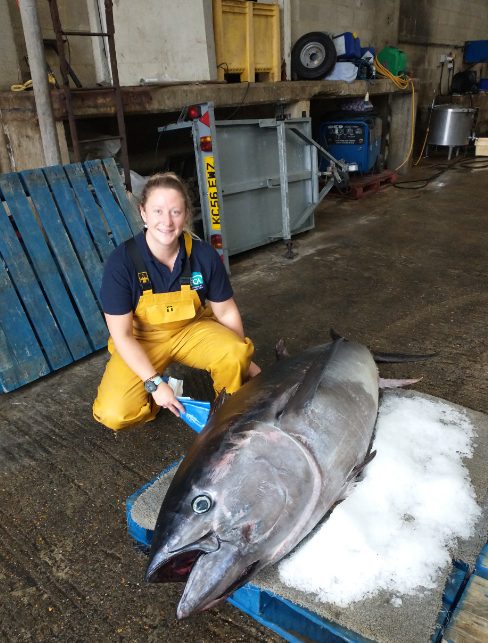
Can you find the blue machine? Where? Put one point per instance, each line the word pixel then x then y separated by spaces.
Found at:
pixel 356 140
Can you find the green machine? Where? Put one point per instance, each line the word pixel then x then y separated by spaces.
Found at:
pixel 393 59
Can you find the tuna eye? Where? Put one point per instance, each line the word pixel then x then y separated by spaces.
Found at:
pixel 201 504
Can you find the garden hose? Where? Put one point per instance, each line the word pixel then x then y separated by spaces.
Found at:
pixel 402 82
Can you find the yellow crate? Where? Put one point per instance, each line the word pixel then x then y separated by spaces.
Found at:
pixel 247 39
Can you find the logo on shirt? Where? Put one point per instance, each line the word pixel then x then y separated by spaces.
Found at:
pixel 196 281
pixel 169 309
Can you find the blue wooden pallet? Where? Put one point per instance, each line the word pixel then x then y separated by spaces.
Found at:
pixel 58 225
pixel 295 623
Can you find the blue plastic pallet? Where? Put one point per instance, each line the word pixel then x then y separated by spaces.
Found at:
pixel 58 225
pixel 293 622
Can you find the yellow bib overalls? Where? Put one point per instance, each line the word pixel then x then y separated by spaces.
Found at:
pixel 171 327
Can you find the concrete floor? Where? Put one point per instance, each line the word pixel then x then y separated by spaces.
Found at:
pixel 399 271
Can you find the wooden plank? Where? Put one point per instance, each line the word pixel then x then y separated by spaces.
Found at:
pixel 469 622
pixel 75 223
pixel 116 220
pixel 44 265
pixel 129 209
pixel 68 261
pixel 475 598
pixel 28 288
pixel 9 376
pixel 77 178
pixel 20 336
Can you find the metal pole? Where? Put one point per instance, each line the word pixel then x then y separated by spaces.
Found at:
pixel 40 82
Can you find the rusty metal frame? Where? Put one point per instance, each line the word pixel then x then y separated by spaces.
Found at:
pixel 63 64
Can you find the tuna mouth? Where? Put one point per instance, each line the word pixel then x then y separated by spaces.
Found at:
pixel 248 573
pixel 175 566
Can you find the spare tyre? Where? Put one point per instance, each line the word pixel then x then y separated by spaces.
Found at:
pixel 313 56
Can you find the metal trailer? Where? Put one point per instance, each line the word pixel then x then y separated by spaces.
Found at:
pixel 258 178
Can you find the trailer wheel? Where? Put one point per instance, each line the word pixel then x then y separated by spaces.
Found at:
pixel 313 56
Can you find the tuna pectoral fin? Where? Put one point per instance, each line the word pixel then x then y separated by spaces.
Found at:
pixel 382 383
pixel 307 386
pixel 359 467
pixel 351 479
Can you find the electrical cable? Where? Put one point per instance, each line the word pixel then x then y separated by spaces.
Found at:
pixel 402 82
pixel 468 164
pixel 242 102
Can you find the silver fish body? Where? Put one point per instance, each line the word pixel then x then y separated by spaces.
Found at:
pixel 265 470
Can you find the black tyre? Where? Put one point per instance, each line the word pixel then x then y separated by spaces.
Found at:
pixel 379 165
pixel 313 56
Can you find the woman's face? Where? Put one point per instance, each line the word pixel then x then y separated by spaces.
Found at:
pixel 165 215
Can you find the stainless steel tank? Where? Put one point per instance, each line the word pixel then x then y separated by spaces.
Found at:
pixel 450 125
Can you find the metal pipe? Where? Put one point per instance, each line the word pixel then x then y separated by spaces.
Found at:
pixel 42 92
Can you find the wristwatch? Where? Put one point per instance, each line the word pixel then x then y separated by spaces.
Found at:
pixel 152 385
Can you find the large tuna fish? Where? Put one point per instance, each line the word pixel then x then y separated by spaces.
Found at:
pixel 270 463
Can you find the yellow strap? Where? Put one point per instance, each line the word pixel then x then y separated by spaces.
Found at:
pixel 188 244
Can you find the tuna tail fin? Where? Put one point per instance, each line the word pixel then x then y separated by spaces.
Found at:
pixel 400 357
pixel 281 352
pixel 221 398
pixel 308 384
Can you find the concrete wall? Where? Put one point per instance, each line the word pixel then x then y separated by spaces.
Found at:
pixel 74 16
pixel 8 53
pixel 166 37
pixel 424 29
pixel 427 30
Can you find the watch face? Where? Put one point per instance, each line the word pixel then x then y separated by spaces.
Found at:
pixel 150 387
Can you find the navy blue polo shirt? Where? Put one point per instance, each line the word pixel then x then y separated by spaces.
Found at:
pixel 120 290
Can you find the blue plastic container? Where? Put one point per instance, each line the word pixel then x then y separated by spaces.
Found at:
pixel 370 50
pixel 347 46
pixel 354 141
pixel 483 87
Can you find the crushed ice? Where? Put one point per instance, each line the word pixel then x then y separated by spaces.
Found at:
pixel 394 530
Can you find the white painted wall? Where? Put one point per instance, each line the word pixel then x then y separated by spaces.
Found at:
pixel 161 37
pixel 10 74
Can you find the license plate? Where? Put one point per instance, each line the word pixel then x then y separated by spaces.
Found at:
pixel 212 192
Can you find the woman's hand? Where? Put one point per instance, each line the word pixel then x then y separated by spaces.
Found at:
pixel 253 370
pixel 164 396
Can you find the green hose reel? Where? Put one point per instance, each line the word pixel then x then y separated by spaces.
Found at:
pixel 393 59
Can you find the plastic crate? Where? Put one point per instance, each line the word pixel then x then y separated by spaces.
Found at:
pixel 247 39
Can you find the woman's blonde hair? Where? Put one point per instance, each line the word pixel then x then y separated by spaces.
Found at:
pixel 173 181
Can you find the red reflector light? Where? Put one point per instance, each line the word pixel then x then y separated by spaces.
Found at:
pixel 194 111
pixel 206 143
pixel 216 240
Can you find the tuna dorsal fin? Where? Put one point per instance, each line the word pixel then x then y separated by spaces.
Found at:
pixel 308 385
pixel 400 357
pixel 222 397
pixel 281 352
pixel 335 335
